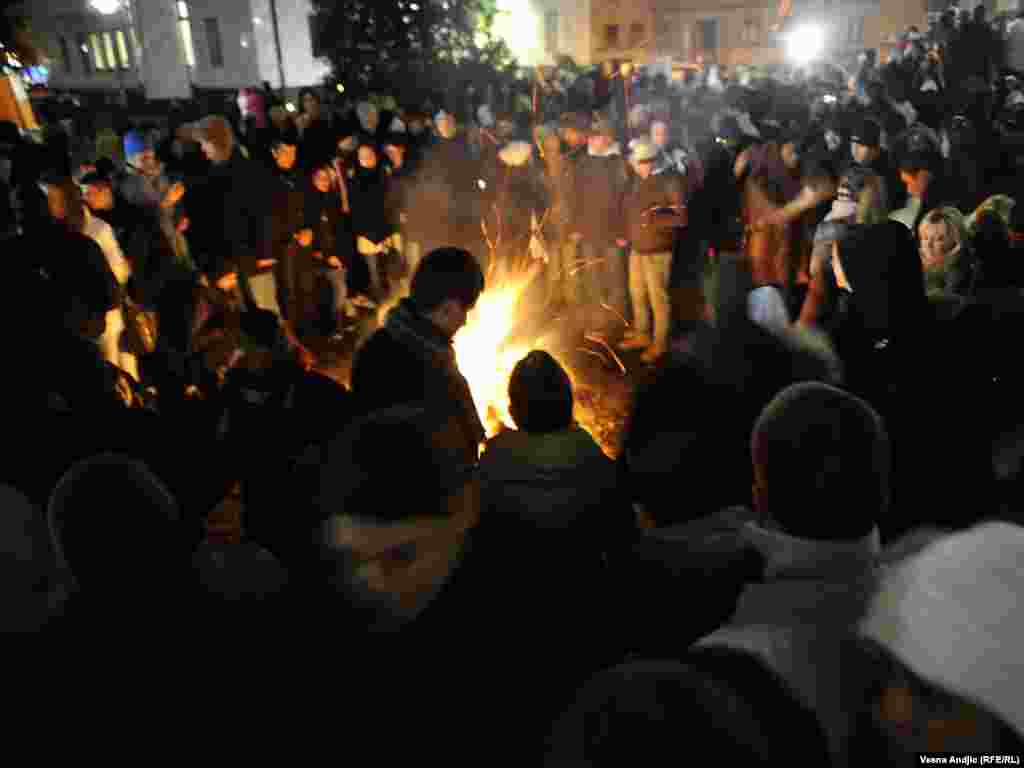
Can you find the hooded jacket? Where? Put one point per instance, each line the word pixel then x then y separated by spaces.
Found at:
pixel 795 621
pixel 552 481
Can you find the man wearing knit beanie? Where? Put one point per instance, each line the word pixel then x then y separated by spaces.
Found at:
pixel 947 621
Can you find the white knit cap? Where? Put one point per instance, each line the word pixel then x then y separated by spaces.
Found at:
pixel 952 614
pixel 441 116
pixel 397 126
pixel 516 153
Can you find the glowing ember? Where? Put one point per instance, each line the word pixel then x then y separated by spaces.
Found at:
pixel 482 347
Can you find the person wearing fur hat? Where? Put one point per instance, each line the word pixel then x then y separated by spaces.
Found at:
pixel 939 633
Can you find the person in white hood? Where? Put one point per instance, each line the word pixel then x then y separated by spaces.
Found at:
pixel 945 626
pixel 821 483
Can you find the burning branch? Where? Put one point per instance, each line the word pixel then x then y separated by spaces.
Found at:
pixel 625 322
pixel 595 339
pixel 598 355
pixel 584 265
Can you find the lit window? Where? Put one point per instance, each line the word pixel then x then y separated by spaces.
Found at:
pixel 108 47
pixel 97 52
pixel 122 49
pixel 185 33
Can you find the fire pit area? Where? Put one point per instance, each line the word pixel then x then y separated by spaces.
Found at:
pixel 510 319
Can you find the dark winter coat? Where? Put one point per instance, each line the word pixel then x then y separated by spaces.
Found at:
pixel 409 360
pixel 446 201
pixel 600 208
pixel 231 214
pixel 651 232
pixel 898 356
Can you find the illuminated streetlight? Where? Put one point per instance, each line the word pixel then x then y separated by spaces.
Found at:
pixel 805 44
pixel 106 7
pixel 341 88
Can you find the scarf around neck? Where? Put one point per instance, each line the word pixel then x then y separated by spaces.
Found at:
pixel 417 333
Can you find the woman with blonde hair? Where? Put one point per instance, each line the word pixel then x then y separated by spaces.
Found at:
pixel 946 253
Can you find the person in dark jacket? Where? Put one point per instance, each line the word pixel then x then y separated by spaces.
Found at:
pixel 235 212
pixel 398 175
pixel 411 359
pixel 316 137
pixel 372 223
pixel 447 206
pixel 654 209
pixel 268 393
pixel 599 214
pixel 732 707
pixel 519 199
pixel 332 237
pixel 892 341
pixel 867 152
pixel 549 475
pixel 288 239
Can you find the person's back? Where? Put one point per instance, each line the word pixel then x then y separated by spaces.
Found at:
pixel 549 474
pixel 644 707
pixel 821 469
pixel 411 359
pixel 126 579
pixel 895 346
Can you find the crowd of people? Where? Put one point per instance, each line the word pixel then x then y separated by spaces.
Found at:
pixel 808 547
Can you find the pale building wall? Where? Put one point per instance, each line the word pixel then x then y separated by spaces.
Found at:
pixel 674 30
pixel 301 68
pixel 240 67
pixel 163 61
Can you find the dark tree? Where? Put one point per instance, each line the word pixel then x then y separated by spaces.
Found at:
pixel 414 50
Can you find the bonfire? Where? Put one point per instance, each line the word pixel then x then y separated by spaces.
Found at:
pixel 490 345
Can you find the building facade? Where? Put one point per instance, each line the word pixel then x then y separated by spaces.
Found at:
pixel 741 32
pixel 167 47
pixel 683 30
